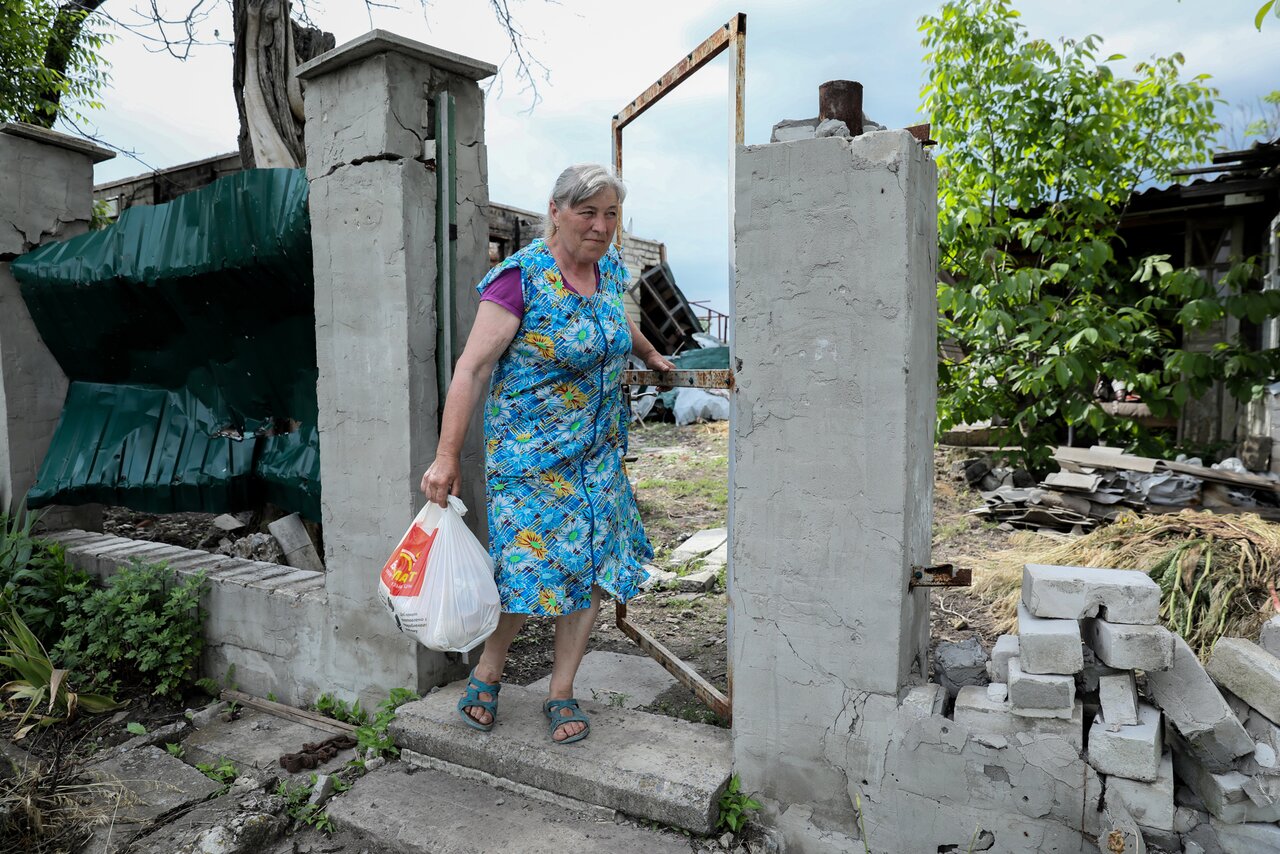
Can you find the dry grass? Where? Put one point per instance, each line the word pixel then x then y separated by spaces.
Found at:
pixel 1216 573
pixel 46 810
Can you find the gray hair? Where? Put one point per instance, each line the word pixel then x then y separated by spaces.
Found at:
pixel 579 183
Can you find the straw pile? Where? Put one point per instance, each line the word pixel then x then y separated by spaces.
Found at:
pixel 1216 573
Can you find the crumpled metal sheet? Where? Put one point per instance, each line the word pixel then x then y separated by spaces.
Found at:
pixel 188 330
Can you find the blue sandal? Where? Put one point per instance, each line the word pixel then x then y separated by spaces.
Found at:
pixel 552 709
pixel 471 700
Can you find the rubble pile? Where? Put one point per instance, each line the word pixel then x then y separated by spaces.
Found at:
pixel 1100 484
pixel 1188 753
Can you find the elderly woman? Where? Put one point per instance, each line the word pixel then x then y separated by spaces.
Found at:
pixel 549 344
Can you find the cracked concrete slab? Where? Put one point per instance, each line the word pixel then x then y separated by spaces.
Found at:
pixel 645 765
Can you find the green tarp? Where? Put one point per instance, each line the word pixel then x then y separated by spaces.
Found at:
pixel 188 331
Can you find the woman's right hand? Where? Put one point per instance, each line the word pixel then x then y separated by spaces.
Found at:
pixel 442 479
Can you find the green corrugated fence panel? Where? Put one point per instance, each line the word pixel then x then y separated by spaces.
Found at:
pixel 187 328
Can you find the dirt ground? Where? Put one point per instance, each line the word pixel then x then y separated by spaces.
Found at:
pixel 681 480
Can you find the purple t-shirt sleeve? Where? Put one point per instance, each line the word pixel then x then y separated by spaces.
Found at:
pixel 506 291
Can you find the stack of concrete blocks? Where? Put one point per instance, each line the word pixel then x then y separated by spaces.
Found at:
pixel 1226 755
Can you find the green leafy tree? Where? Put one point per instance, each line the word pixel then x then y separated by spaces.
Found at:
pixel 50 59
pixel 1041 146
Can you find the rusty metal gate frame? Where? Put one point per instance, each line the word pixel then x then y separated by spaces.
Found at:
pixel 731 37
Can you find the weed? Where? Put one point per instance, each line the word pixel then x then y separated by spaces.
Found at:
pixel 271 696
pixel 736 807
pixel 372 739
pixel 613 699
pixel 295 797
pixel 176 750
pixel 35 575
pixel 331 707
pixel 223 771
pixel 143 627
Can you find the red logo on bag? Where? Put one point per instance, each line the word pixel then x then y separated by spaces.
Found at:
pixel 404 571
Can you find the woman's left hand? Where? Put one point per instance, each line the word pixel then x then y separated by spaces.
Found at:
pixel 658 362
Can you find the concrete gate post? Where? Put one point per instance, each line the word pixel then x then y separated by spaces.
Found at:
pixel 371 161
pixel 835 347
pixel 46 193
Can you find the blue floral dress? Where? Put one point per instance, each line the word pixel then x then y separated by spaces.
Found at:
pixel 562 515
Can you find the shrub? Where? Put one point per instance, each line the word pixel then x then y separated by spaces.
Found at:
pixel 35 576
pixel 142 628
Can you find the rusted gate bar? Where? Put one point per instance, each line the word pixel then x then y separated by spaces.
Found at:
pixel 684 674
pixel 680 379
pixel 732 36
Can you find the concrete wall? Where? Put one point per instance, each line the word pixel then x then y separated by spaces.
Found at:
pixel 835 331
pixel 831 505
pixel 373 225
pixel 46 184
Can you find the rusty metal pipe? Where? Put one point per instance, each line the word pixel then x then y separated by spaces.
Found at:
pixel 841 100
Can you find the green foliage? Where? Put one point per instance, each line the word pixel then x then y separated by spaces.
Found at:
pixel 35 575
pixel 331 707
pixel 1262 13
pixel 142 628
pixel 372 739
pixel 1266 126
pixel 1040 147
pixel 223 771
pixel 38 682
pixel 175 749
pixel 30 91
pixel 135 728
pixel 736 807
pixel 295 797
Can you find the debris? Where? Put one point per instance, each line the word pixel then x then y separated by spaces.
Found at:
pixel 295 542
pixel 316 753
pixel 1248 671
pixel 696 582
pixel 1118 695
pixel 1036 695
pixel 227 522
pixel 1073 592
pixel 698 545
pixel 1048 645
pixel 957 665
pixel 256 546
pixel 658 578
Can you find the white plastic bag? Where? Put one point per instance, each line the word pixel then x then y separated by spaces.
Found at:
pixel 438 583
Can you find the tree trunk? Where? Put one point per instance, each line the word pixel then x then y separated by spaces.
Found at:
pixel 269 45
pixel 57 53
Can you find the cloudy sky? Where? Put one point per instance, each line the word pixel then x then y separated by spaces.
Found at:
pixel 599 55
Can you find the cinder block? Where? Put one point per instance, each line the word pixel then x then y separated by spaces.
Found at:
pixel 1087 679
pixel 1038 695
pixel 1248 671
pixel 982 716
pixel 1150 804
pixel 1119 697
pixel 926 700
pixel 1269 639
pixel 1119 833
pixel 1223 794
pixel 1250 838
pixel 1128 751
pixel 1072 593
pixel 1197 710
pixel 1006 648
pixel 1048 646
pixel 1129 647
pixel 1160 840
pixel 998 692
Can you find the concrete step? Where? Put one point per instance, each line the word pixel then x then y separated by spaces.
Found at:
pixel 406 810
pixel 640 764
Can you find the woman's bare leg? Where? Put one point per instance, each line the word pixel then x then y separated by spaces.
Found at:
pixel 494 659
pixel 572 633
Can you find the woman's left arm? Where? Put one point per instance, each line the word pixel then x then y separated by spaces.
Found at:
pixel 646 352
